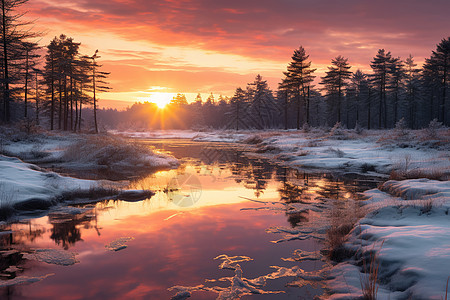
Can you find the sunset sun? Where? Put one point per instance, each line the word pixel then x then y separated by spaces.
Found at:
pixel 161 99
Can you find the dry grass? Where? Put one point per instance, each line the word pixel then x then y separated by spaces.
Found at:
pixel 108 151
pixel 433 174
pixel 369 284
pixel 343 217
pixel 92 193
pixel 6 203
pixel 446 288
pixel 253 140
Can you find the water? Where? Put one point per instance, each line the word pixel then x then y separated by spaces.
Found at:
pixel 200 211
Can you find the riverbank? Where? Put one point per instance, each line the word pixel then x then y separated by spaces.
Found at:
pixel 30 167
pixel 84 156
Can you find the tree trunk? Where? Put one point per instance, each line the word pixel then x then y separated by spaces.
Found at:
pixel 52 87
pixel 6 100
pixel 26 84
pixel 95 101
pixel 37 100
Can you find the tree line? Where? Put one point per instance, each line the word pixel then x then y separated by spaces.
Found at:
pixel 394 90
pixel 58 84
pixel 53 82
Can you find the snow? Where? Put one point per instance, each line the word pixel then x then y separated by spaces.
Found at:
pixel 408 228
pixel 53 256
pixel 21 182
pixel 118 244
pixel 86 152
pixel 23 280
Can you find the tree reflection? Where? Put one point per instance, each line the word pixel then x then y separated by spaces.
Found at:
pixel 66 227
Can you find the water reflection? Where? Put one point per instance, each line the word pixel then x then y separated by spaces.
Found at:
pixel 173 244
pixel 65 229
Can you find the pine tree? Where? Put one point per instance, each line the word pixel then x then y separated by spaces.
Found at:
pixel 336 80
pixel 283 100
pixel 30 56
pixel 262 102
pixel 395 85
pixel 412 89
pixel 236 108
pixel 298 78
pixel 437 67
pixel 355 92
pixel 381 68
pixel 12 38
pixel 98 83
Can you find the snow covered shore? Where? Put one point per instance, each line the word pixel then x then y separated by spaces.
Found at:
pixel 27 187
pixel 408 231
pixel 371 152
pixel 116 157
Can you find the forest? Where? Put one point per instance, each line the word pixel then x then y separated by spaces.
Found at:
pixel 56 87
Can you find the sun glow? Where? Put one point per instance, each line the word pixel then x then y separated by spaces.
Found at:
pixel 161 99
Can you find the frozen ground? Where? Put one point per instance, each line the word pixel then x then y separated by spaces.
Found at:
pixel 408 231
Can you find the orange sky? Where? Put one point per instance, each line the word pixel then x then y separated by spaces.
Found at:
pixel 205 46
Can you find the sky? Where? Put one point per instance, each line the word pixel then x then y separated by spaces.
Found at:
pixel 156 48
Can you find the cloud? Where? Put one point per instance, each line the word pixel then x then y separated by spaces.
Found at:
pixel 187 39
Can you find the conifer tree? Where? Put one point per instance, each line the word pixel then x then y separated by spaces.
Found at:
pixel 381 68
pixel 298 78
pixel 12 38
pixel 412 89
pixel 336 80
pixel 437 68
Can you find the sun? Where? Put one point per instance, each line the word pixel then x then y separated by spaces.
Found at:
pixel 161 99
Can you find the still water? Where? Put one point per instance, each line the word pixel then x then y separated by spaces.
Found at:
pixel 204 209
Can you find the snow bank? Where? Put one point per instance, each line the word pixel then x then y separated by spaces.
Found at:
pixel 22 183
pixel 410 233
pixel 78 152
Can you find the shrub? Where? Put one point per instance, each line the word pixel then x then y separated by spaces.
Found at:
pixel 254 139
pixel 339 153
pixel 433 129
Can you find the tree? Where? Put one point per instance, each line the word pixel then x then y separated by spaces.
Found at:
pixel 198 98
pixel 397 72
pixel 238 108
pixel 283 100
pixel 29 51
pixel 335 81
pixel 298 78
pixel 12 37
pixel 262 102
pixel 381 68
pixel 437 68
pixel 179 99
pixel 412 89
pixel 355 90
pixel 60 72
pixel 98 83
